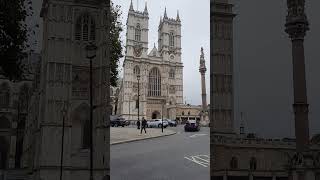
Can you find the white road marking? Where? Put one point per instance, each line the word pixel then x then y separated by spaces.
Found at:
pixel 202 160
pixel 195 135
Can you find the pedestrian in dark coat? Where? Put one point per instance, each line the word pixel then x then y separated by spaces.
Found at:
pixel 138 124
pixel 144 124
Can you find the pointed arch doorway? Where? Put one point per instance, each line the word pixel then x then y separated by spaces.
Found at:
pixel 156 115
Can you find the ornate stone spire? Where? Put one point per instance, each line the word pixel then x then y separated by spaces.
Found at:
pixel 202 68
pixel 131 6
pixel 145 8
pixel 178 17
pixel 165 13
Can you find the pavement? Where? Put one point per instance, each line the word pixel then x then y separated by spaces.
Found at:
pixel 184 155
pixel 121 135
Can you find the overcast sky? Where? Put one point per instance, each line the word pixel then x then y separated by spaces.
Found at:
pixel 262 58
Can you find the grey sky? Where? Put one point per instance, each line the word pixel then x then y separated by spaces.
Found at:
pixel 263 67
pixel 262 56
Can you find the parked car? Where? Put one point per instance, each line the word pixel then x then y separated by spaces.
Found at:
pixel 172 123
pixel 157 123
pixel 118 122
pixel 192 125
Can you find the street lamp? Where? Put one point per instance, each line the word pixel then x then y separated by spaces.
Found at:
pixel 138 78
pixel 64 113
pixel 162 117
pixel 91 53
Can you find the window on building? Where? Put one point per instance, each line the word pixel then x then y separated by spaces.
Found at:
pixel 138 33
pixel 182 113
pixel 4 123
pixel 171 39
pixel 154 82
pixel 171 74
pixel 4 95
pixel 253 163
pixel 85 28
pixel 136 70
pixel 86 134
pixel 234 163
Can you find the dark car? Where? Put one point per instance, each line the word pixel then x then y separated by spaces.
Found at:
pixel 118 122
pixel 191 125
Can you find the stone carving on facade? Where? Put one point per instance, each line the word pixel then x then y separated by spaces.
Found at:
pixel 137 49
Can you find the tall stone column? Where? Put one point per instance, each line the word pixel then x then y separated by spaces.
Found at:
pixel 202 70
pixel 296 26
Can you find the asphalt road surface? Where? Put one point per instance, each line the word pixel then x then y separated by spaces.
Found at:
pixel 184 155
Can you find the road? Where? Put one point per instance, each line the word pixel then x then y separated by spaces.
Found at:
pixel 184 155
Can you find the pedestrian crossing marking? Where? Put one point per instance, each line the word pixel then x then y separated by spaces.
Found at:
pixel 195 135
pixel 202 160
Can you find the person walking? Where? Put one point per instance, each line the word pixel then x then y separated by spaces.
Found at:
pixel 138 124
pixel 144 124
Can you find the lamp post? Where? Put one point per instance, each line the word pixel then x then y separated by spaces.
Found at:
pixel 91 53
pixel 162 117
pixel 64 113
pixel 138 78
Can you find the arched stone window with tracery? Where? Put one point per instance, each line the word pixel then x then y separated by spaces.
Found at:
pixel 136 71
pixel 234 163
pixel 138 33
pixel 4 95
pixel 154 82
pixel 253 163
pixel 172 73
pixel 171 39
pixel 85 28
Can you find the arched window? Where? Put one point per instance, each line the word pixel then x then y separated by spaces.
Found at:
pixel 171 74
pixel 4 123
pixel 154 82
pixel 138 33
pixel 136 70
pixel 24 96
pixel 85 28
pixel 86 134
pixel 234 163
pixel 3 152
pixel 4 95
pixel 171 39
pixel 253 163
pixel 182 113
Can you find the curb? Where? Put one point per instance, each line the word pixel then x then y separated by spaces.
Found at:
pixel 133 140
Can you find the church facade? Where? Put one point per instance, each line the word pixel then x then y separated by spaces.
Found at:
pixel 158 74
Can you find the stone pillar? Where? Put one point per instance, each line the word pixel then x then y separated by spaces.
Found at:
pixel 13 148
pixel 296 26
pixel 225 177
pixel 250 177
pixel 202 70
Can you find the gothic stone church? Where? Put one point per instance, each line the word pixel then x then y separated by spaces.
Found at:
pixel 160 70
